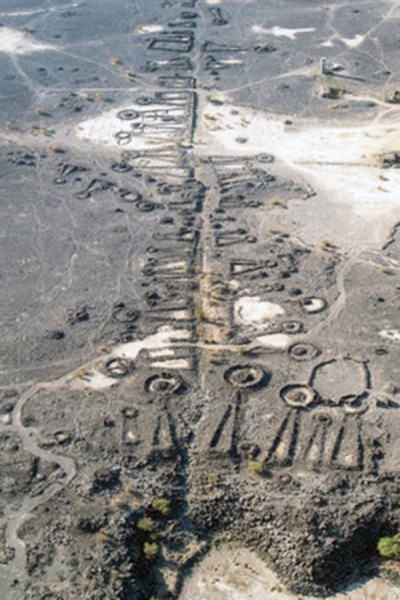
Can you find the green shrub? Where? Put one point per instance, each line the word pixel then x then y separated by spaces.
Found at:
pixel 150 550
pixel 389 547
pixel 146 524
pixel 161 506
pixel 255 467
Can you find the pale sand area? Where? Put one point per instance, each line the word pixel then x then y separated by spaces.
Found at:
pixel 145 132
pixel 356 201
pixel 282 31
pixel 238 574
pixel 14 41
pixel 341 162
pixel 335 156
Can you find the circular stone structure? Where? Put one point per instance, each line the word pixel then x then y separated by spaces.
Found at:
pixel 303 351
pixel 164 383
pixel 298 395
pixel 247 376
pixel 119 367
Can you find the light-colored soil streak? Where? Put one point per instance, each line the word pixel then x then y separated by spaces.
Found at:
pixel 237 574
pixel 30 441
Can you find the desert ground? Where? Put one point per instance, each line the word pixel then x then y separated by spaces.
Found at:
pixel 200 280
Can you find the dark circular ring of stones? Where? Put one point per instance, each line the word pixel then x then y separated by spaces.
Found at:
pixel 297 395
pixel 355 404
pixel 270 263
pixel 125 314
pixel 307 302
pixel 127 115
pixel 130 196
pixel 273 287
pixel 119 367
pixel 264 48
pixel 123 135
pixel 125 337
pixel 381 351
pixel 144 100
pixel 323 418
pixel 145 205
pixel 247 376
pixel 164 383
pixel 285 478
pixel 303 351
pixel 121 167
pixel 131 155
pixel 266 158
pixel 130 412
pixel 292 327
pixel 164 189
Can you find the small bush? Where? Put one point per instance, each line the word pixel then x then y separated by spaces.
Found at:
pixel 146 524
pixel 212 479
pixel 199 315
pixel 389 547
pixel 255 467
pixel 162 506
pixel 150 550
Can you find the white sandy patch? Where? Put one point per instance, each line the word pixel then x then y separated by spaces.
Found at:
pixel 282 31
pixel 18 42
pixel 25 13
pixel 180 315
pixel 342 160
pixel 149 29
pixel 238 574
pixel 314 305
pixel 143 133
pixel 391 334
pixel 278 341
pixel 163 341
pixel 354 42
pixel 159 353
pixel 251 310
pixel 180 266
pixel 178 363
pixel 350 42
pixel 164 338
pixel 177 315
pixel 93 380
pixel 21 13
pixel 131 437
pixel 5 419
pixel 230 61
pixel 213 2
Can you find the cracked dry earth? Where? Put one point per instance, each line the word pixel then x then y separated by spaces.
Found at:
pixel 200 269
